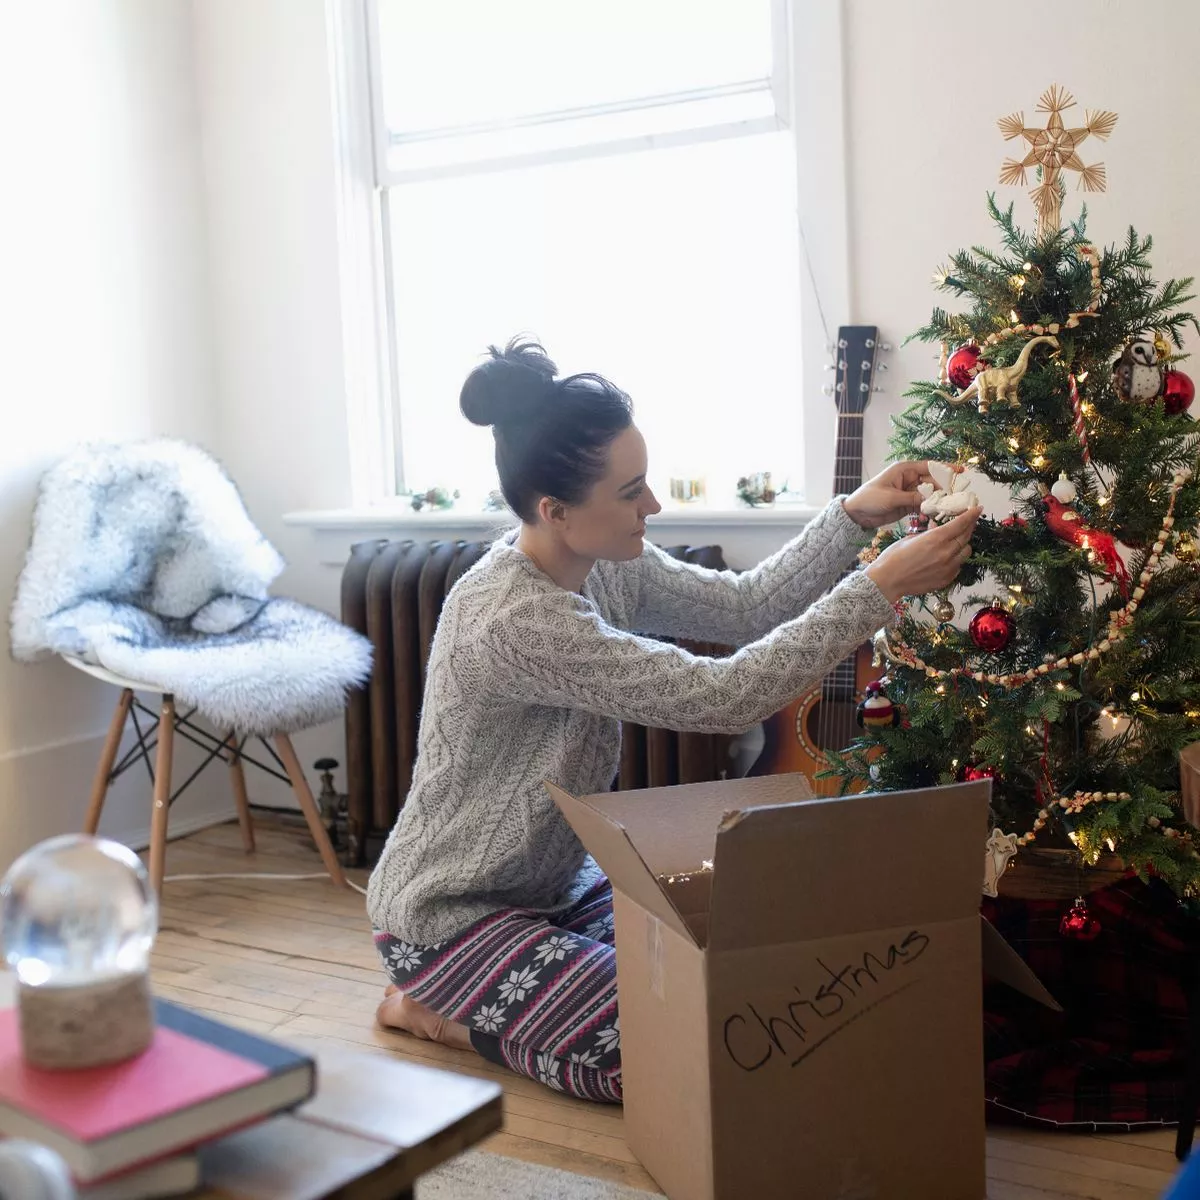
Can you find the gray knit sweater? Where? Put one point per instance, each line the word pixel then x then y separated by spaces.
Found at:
pixel 528 682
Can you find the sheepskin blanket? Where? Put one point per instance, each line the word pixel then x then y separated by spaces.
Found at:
pixel 144 560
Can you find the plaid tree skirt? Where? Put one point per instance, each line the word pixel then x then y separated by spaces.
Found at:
pixel 1117 1055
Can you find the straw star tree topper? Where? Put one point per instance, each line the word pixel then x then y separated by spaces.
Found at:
pixel 1065 663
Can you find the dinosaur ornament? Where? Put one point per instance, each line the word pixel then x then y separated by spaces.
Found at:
pixel 999 384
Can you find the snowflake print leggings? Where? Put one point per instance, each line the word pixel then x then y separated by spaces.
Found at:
pixel 539 997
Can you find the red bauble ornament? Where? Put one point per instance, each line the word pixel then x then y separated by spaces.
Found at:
pixel 1178 392
pixel 974 771
pixel 1079 923
pixel 963 366
pixel 1012 521
pixel 992 629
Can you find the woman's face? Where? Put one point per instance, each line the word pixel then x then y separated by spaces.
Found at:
pixel 611 522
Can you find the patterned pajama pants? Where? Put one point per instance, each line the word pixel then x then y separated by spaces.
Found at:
pixel 539 996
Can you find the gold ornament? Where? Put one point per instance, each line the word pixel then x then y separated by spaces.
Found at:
pixel 1054 150
pixel 944 611
pixel 1185 548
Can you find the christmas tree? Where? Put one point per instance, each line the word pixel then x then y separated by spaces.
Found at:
pixel 1065 663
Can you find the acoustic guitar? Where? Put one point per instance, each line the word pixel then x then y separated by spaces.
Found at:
pixel 824 718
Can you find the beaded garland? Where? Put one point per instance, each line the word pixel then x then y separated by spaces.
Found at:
pixel 901 652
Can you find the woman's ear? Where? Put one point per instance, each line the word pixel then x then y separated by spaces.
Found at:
pixel 551 511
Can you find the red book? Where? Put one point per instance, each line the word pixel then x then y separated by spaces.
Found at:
pixel 198 1079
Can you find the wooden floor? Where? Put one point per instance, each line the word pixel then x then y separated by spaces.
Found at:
pixel 295 957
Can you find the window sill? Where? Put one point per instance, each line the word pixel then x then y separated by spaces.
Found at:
pixel 385 518
pixel 335 530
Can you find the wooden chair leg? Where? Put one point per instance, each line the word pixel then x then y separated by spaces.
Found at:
pixel 308 805
pixel 162 792
pixel 108 756
pixel 237 776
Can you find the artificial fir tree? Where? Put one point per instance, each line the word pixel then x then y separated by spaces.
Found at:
pixel 1065 663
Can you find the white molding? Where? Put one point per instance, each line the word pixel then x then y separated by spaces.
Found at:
pixel 747 534
pixel 382 518
pixel 365 350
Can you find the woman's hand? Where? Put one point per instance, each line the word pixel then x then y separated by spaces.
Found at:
pixel 925 562
pixel 891 495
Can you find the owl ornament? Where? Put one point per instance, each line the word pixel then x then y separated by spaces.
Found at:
pixel 1138 375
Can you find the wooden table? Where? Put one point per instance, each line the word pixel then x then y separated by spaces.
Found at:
pixel 375 1125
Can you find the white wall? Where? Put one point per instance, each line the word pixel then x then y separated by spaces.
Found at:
pixel 105 327
pixel 269 193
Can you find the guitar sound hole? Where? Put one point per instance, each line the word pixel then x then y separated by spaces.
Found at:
pixel 831 724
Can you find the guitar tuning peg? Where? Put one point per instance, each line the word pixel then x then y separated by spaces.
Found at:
pixel 885 345
pixel 828 389
pixel 881 366
pixel 831 366
pixel 869 343
pixel 877 389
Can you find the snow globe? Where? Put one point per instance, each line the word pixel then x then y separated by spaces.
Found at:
pixel 78 918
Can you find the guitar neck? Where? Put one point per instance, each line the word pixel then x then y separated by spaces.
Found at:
pixel 848 460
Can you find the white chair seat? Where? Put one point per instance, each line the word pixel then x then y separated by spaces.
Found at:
pixel 102 673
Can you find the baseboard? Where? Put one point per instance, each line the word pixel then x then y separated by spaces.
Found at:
pixel 44 792
pixel 139 839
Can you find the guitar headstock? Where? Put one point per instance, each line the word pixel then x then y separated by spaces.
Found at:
pixel 856 364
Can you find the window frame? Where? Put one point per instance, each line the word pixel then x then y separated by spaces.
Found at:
pixel 779 87
pixel 812 51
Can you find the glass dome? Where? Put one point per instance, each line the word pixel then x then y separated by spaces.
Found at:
pixel 77 910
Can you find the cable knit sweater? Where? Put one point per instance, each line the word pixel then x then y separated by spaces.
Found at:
pixel 528 682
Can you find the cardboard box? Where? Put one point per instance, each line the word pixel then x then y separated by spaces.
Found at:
pixel 799 984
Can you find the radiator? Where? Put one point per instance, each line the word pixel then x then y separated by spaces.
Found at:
pixel 392 591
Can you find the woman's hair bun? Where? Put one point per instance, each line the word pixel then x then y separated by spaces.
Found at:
pixel 509 385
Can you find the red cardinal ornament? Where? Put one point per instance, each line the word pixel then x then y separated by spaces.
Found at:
pixel 1178 392
pixel 964 365
pixel 1079 924
pixel 1064 522
pixel 992 629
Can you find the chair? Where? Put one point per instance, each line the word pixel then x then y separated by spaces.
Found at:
pixel 145 571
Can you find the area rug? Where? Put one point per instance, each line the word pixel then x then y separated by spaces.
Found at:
pixel 478 1175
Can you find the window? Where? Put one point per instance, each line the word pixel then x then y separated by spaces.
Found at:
pixel 615 178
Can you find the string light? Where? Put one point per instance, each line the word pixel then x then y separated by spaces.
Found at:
pixel 1135 696
pixel 1014 444
pixel 1038 460
pixel 940 689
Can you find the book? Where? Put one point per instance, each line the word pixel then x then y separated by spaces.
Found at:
pixel 198 1079
pixel 157 1181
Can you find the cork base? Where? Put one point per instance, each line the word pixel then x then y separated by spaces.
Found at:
pixel 64 1028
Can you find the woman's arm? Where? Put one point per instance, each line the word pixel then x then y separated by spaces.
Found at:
pixel 556 649
pixel 676 599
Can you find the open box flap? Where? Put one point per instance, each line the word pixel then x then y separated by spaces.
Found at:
pixel 675 828
pixel 1002 962
pixel 608 843
pixel 831 867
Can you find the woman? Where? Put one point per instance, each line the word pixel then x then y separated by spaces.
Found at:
pixel 493 924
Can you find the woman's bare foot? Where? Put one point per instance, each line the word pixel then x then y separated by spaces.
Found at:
pixel 399 1011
